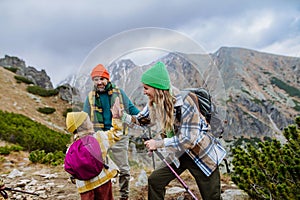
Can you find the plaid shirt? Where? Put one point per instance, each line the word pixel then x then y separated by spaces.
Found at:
pixel 193 137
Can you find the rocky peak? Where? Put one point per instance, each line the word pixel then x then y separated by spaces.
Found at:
pixel 39 78
pixel 12 61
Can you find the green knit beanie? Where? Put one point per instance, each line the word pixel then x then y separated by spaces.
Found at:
pixel 157 76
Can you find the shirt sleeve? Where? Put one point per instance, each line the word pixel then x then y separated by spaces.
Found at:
pixel 143 113
pixel 128 105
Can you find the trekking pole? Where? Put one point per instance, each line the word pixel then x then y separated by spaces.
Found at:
pixel 173 171
pixel 152 155
pixel 177 176
pixel 4 194
pixel 25 192
pixel 227 166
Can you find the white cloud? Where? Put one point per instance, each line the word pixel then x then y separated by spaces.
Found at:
pixel 253 29
pixel 290 47
pixel 58 35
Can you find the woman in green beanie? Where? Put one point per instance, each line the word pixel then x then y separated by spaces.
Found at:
pixel 188 139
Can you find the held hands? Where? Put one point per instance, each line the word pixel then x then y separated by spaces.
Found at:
pixel 118 113
pixel 116 110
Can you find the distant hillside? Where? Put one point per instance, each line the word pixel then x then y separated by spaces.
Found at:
pixel 14 98
pixel 255 91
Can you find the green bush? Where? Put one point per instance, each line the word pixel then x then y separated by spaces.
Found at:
pixel 31 135
pixel 297 107
pixel 53 158
pixel 23 79
pixel 41 91
pixel 66 111
pixel 270 170
pixel 9 148
pixel 292 91
pixel 46 110
pixel 12 69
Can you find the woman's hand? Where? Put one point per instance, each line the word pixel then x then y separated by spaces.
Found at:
pixel 150 144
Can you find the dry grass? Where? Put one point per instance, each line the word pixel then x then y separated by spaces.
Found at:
pixel 14 98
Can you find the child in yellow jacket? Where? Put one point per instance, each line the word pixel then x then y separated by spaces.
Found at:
pixel 99 187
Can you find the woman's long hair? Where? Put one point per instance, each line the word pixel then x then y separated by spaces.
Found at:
pixel 162 109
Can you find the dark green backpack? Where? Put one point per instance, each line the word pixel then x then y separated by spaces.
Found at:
pixel 207 108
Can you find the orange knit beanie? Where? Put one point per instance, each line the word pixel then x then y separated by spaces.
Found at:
pixel 100 70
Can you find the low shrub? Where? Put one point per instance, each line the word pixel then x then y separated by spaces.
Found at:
pixel 23 79
pixel 12 69
pixel 5 150
pixel 31 135
pixel 46 110
pixel 270 170
pixel 41 91
pixel 53 158
pixel 66 111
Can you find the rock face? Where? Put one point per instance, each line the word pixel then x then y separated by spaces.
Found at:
pixel 257 93
pixel 39 78
pixel 68 93
pixel 260 87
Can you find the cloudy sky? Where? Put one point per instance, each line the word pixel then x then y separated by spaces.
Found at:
pixel 59 35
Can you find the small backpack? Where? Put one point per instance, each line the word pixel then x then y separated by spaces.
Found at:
pixel 84 158
pixel 207 108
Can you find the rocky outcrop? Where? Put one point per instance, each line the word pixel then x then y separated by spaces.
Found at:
pixel 69 93
pixel 12 61
pixel 39 78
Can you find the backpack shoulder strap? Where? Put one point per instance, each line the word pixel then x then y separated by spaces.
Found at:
pixel 194 97
pixel 184 94
pixel 177 122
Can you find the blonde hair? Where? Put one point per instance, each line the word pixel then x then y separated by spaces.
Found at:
pixel 162 109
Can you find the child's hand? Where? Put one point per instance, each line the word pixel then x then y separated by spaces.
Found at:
pixel 116 109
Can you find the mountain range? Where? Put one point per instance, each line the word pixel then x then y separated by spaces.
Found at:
pixel 256 93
